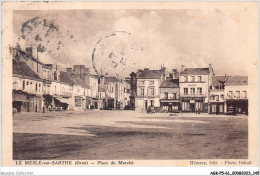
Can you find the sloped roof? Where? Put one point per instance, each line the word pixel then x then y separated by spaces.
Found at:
pixel 21 68
pixel 23 54
pixel 111 79
pixel 170 83
pixel 80 82
pixel 217 80
pixel 237 80
pixel 196 71
pixel 149 74
pixel 65 77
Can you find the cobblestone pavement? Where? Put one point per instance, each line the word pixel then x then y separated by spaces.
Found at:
pixel 100 134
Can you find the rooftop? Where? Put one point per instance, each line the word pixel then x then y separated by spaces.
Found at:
pixel 21 68
pixel 149 74
pixel 217 80
pixel 111 79
pixel 237 80
pixel 170 83
pixel 65 77
pixel 79 81
pixel 196 71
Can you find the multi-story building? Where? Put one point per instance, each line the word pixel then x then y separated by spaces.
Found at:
pixel 148 92
pixel 66 94
pixel 170 93
pixel 126 92
pixel 27 88
pixel 133 89
pixel 112 89
pixel 217 95
pixel 195 88
pixel 236 100
pixel 83 73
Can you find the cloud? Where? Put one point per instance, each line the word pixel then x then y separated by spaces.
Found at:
pixel 193 38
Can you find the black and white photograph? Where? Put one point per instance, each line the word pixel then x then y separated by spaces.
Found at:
pixel 132 84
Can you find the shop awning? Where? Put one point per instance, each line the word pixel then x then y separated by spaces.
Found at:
pixel 64 100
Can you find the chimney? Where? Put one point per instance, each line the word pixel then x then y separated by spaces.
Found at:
pixel 29 52
pixel 175 74
pixel 101 80
pixel 146 69
pixel 210 65
pixel 163 74
pixel 182 67
pixel 69 70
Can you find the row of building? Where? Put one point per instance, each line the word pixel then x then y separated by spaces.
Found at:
pixel 39 87
pixel 190 90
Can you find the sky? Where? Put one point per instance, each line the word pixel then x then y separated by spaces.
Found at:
pixel 118 42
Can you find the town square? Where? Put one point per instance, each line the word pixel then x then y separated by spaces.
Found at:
pixel 117 85
pixel 119 134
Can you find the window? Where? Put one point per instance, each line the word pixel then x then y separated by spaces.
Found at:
pixel 141 82
pixel 192 91
pixel 27 83
pixel 222 96
pixel 229 94
pixel 55 89
pixel 15 85
pixel 237 94
pixel 109 87
pixel 244 94
pixel 166 95
pixel 152 102
pixel 36 88
pixel 185 78
pixel 174 96
pixel 151 82
pixel 23 85
pixel 142 92
pixel 185 91
pixel 199 79
pixel 55 75
pixel 63 90
pixel 199 91
pixel 217 97
pixel 152 91
pixel 192 78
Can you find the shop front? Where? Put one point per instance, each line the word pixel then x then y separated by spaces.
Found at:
pixel 80 103
pixel 170 105
pixel 216 108
pixel 237 106
pixel 193 104
pixel 20 101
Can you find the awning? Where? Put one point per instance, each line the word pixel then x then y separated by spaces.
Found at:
pixel 64 100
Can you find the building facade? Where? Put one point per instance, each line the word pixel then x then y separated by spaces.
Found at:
pixel 27 88
pixel 217 95
pixel 170 95
pixel 236 90
pixel 195 88
pixel 148 92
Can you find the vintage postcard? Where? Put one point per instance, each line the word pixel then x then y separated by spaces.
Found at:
pixel 129 84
